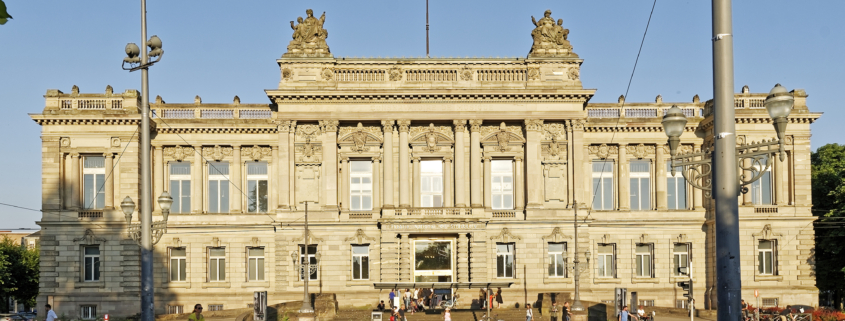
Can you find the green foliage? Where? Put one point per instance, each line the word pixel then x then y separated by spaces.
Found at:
pixel 828 174
pixel 285 317
pixel 4 16
pixel 19 271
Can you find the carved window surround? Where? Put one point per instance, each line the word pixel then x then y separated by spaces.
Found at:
pixel 768 234
pixel 557 236
pixel 431 141
pixel 502 141
pixel 293 247
pixel 360 238
pixel 360 141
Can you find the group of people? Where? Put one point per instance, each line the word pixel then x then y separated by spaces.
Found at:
pixel 414 301
pixel 486 299
pixel 625 316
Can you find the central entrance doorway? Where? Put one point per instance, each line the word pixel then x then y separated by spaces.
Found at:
pixel 434 260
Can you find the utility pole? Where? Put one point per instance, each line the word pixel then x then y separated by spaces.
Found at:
pixel 306 271
pixel 577 305
pixel 146 201
pixel 426 28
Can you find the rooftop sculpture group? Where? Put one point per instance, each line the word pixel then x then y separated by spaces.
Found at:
pixel 309 37
pixel 550 39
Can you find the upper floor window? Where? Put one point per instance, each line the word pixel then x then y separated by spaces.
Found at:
pixel 217 264
pixel 640 186
pixel 644 260
pixel 504 260
pixel 501 187
pixel 360 185
pixel 178 260
pixel 602 185
pixel 761 189
pixel 312 259
pixel 676 188
pixel 557 260
pixel 218 187
pixel 361 262
pixel 180 187
pixel 767 257
pixel 431 180
pixel 93 182
pixel 680 258
pixel 256 180
pixel 91 263
pixel 607 260
pixel 255 263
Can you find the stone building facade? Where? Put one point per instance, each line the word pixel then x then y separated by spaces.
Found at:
pixel 413 170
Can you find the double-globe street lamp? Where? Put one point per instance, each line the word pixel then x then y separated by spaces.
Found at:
pixel 158 228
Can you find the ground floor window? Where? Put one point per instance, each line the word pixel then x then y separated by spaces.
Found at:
pixel 88 312
pixel 215 307
pixel 433 261
pixel 504 260
pixel 174 309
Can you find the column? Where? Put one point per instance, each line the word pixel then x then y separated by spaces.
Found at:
pixel 158 176
pixel 415 161
pixel 570 164
pixel 660 177
pixel 330 163
pixel 281 159
pixel 197 185
pixel 405 258
pixel 533 165
pixel 291 162
pixel 387 152
pixel 488 182
pixel 447 181
pixel 463 258
pixel 697 194
pixel 460 161
pixel 780 189
pixel 109 184
pixel 238 190
pixel 273 167
pixel 624 184
pixel 75 196
pixel 376 182
pixel 66 184
pixel 404 161
pixel 344 184
pixel 475 162
pixel 580 170
pixel 519 184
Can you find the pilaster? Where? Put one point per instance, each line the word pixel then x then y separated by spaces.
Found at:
pixel 282 157
pixel 405 258
pixel 460 163
pixel 273 166
pixel 109 184
pixel 697 194
pixel 75 196
pixel 447 182
pixel 158 177
pixel 660 177
pixel 780 189
pixel 519 184
pixel 404 161
pixel 196 178
pixel 387 152
pixel 291 163
pixel 475 163
pixel 238 191
pixel 376 182
pixel 580 177
pixel 533 159
pixel 329 128
pixel 488 180
pixel 624 181
pixel 344 183
pixel 463 258
pixel 415 162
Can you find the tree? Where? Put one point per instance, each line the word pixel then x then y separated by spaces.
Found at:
pixel 4 16
pixel 828 174
pixel 18 272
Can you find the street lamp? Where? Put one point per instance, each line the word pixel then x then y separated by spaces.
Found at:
pixel 305 268
pixel 577 268
pixel 158 227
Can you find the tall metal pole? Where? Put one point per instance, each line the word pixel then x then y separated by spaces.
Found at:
pixel 577 305
pixel 725 186
pixel 146 201
pixel 306 271
pixel 426 28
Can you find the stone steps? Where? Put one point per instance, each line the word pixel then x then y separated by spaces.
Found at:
pixel 457 315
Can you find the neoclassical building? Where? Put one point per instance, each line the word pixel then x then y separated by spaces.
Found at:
pixel 447 170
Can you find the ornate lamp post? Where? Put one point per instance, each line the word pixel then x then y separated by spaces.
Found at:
pixel 158 228
pixel 577 268
pixel 305 267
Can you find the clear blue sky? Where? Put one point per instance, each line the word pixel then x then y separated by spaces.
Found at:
pixel 218 49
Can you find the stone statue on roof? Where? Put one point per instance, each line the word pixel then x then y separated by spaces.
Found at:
pixel 550 39
pixel 309 37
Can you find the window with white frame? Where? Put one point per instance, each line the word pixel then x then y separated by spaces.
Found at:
pixel 680 258
pixel 178 261
pixel 640 172
pixel 557 260
pixel 174 309
pixel 218 187
pixel 255 263
pixel 504 260
pixel 644 260
pixel 606 260
pixel 360 185
pixel 647 303
pixel 681 304
pixel 501 188
pixel 88 312
pixel 93 182
pixel 312 259
pixel 360 261
pixel 676 188
pixel 602 185
pixel 761 189
pixel 180 187
pixel 767 257
pixel 217 264
pixel 256 181
pixel 431 183
pixel 91 263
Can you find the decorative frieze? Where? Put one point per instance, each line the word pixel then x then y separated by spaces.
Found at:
pixel 505 236
pixel 603 151
pixel 256 153
pixel 641 151
pixel 217 153
pixel 178 153
pixel 359 237
pixel 89 238
pixel 556 236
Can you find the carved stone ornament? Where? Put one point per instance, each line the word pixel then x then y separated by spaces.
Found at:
pixel 328 125
pixel 503 137
pixel 215 242
pixel 556 236
pixel 603 151
pixel 554 131
pixel 395 74
pixel 573 73
pixel 254 242
pixel 554 150
pixel 312 239
pixel 466 74
pixel 307 131
pixel 217 153
pixel 404 125
pixel 431 139
pixel 309 151
pixel 256 153
pixel 682 238
pixel 65 141
pixel 327 74
pixel 533 73
pixel 287 73
pixel 505 236
pixel 178 153
pixel 767 233
pixel 533 124
pixel 475 125
pixel 176 242
pixel 550 38
pixel 309 37
pixel 197 100
pixel 109 90
pixel 460 125
pixel 641 150
pixel 359 237
pixel 359 137
pixel 115 142
pixel 89 238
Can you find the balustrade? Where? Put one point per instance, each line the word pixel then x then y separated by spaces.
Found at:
pixel 431 75
pixel 502 75
pixel 356 75
pixel 603 113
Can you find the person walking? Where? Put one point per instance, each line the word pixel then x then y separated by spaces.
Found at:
pixel 553 311
pixel 402 313
pixel 499 300
pixel 196 315
pixel 623 315
pixel 407 298
pixel 51 315
pixel 567 311
pixel 448 315
pixel 529 313
pixel 391 297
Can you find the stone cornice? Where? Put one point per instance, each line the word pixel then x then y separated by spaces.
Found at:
pixel 218 130
pixel 289 97
pixel 802 118
pixel 42 120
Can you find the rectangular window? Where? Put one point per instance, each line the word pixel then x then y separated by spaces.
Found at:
pixel 217 264
pixel 504 260
pixel 502 185
pixel 361 262
pixel 88 312
pixel 174 309
pixel 681 304
pixel 215 307
pixel 91 261
pixel 769 302
pixel 557 260
pixel 218 187
pixel 602 185
pixel 178 260
pixel 640 186
pixel 431 178
pixel 360 185
pixel 676 188
pixel 255 258
pixel 607 260
pixel 761 189
pixel 766 258
pixel 180 187
pixel 643 258
pixel 93 182
pixel 680 259
pixel 312 259
pixel 256 181
pixel 647 303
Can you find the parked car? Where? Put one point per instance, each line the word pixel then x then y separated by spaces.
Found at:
pixel 23 316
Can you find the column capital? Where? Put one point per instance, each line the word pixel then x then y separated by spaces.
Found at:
pixel 328 125
pixel 576 124
pixel 376 159
pixel 404 235
pixel 292 126
pixel 344 159
pixel 236 146
pixel 517 158
pixel 404 125
pixel 283 125
pixel 475 125
pixel 460 125
pixel 487 158
pixel 74 155
pixel 158 147
pixel 108 154
pixel 387 125
pixel 447 159
pixel 415 159
pixel 534 124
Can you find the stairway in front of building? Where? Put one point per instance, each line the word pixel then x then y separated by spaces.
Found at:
pixel 457 315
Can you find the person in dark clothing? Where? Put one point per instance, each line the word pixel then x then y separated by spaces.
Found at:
pixel 567 313
pixel 380 306
pixel 499 300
